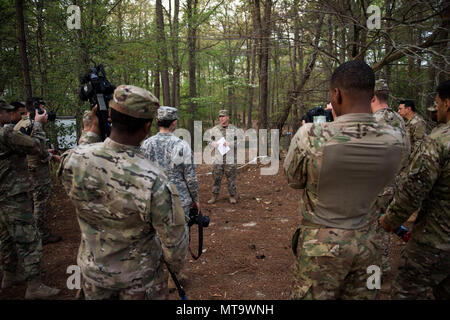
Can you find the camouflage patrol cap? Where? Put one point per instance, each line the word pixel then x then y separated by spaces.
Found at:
pixel 5 105
pixel 223 113
pixel 134 102
pixel 167 113
pixel 381 85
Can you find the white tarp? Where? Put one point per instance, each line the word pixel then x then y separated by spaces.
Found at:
pixel 67 135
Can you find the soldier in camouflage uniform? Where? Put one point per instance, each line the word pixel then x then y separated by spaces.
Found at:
pixel 129 213
pixel 225 164
pixel 175 157
pixel 386 116
pixel 415 124
pixel 20 112
pixel 19 236
pixel 42 184
pixel 342 167
pixel 426 257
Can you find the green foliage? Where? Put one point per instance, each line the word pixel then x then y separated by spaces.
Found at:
pixel 122 35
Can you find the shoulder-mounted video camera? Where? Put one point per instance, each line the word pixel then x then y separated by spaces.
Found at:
pixel 96 89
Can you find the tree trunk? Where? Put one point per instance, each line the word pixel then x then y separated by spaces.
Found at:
pixel 191 7
pixel 304 78
pixel 263 54
pixel 162 53
pixel 176 63
pixel 41 55
pixel 27 90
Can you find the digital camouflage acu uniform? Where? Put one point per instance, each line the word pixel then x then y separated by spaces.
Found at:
pixel 39 170
pixel 387 116
pixel 221 165
pixel 19 236
pixel 176 158
pixel 341 166
pixel 426 257
pixel 416 129
pixel 129 213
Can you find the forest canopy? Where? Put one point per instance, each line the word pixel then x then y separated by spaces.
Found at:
pixel 266 61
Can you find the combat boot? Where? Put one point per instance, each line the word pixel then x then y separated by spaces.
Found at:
pixel 214 198
pixel 233 200
pixel 37 290
pixel 10 279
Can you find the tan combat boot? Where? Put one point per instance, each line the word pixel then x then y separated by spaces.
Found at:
pixel 10 279
pixel 214 198
pixel 233 200
pixel 37 290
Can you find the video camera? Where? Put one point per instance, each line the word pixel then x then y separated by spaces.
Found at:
pixel 98 90
pixel 317 115
pixel 37 102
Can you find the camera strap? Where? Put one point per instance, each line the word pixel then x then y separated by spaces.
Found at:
pixel 200 239
pixel 180 289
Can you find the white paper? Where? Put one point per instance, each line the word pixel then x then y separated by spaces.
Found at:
pixel 222 148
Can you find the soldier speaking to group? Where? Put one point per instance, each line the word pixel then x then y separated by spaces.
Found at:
pixel 224 163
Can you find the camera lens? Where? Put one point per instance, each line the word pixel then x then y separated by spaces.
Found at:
pixel 205 221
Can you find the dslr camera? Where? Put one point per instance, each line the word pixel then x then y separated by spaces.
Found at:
pixel 37 102
pixel 318 115
pixel 196 217
pixel 96 89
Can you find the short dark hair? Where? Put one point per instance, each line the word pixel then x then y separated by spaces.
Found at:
pixel 17 105
pixel 165 123
pixel 382 95
pixel 409 104
pixel 355 75
pixel 443 90
pixel 126 123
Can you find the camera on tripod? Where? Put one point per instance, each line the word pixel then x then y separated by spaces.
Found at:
pixel 96 89
pixel 37 102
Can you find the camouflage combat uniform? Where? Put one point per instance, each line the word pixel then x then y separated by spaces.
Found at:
pixel 221 165
pixel 176 158
pixel 342 166
pixel 39 170
pixel 130 215
pixel 426 257
pixel 416 129
pixel 19 236
pixel 387 116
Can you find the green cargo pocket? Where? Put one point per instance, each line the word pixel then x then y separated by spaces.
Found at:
pixel 312 247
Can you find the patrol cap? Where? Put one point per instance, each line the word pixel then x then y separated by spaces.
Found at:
pixel 223 113
pixel 134 102
pixel 381 85
pixel 167 113
pixel 5 105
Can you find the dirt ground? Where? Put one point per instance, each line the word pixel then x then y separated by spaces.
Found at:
pixel 247 253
